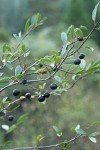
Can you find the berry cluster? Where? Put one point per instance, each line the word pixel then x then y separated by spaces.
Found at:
pixel 78 61
pixel 41 98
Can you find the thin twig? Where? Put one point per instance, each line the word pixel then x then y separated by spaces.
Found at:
pixel 47 146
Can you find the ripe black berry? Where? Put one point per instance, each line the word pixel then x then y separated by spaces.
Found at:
pixel 81 56
pixel 10 118
pixel 53 86
pixel 28 95
pixel 40 65
pixel 24 81
pixel 80 38
pixel 77 61
pixel 47 94
pixel 16 92
pixel 41 98
pixel 55 68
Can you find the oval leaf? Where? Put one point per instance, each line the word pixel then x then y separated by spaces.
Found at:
pixel 93 139
pixel 82 64
pixel 22 119
pixel 5 127
pixel 94 12
pixel 12 128
pixel 18 70
pixel 64 37
pixel 95 134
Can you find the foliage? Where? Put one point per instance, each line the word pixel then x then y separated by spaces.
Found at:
pixel 38 74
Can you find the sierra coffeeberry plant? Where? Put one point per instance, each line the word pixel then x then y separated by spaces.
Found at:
pixel 47 68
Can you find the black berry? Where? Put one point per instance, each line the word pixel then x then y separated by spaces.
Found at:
pixel 40 65
pixel 80 38
pixel 41 98
pixel 16 92
pixel 81 56
pixel 24 81
pixel 10 118
pixel 77 61
pixel 47 94
pixel 28 95
pixel 53 86
pixel 55 68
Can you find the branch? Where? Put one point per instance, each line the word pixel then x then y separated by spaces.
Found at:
pixel 48 146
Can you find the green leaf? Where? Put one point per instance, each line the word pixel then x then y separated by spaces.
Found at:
pixel 4 99
pixel 18 38
pixel 34 20
pixel 55 52
pixel 59 132
pixel 22 118
pixel 12 128
pixel 82 64
pixel 6 47
pixel 64 37
pixel 4 79
pixel 71 61
pixel 1 73
pixel 95 12
pixel 73 129
pixel 57 59
pixel 63 49
pixel 79 130
pixel 90 48
pixel 27 24
pixel 9 66
pixel 70 31
pixel 98 28
pixel 5 127
pixel 38 17
pixel 40 137
pixel 23 48
pixel 26 54
pixel 78 32
pixel 96 123
pixel 58 79
pixel 18 70
pixel 83 28
pixel 93 139
pixel 95 134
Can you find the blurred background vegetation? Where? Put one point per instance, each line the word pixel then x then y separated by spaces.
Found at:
pixel 81 104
